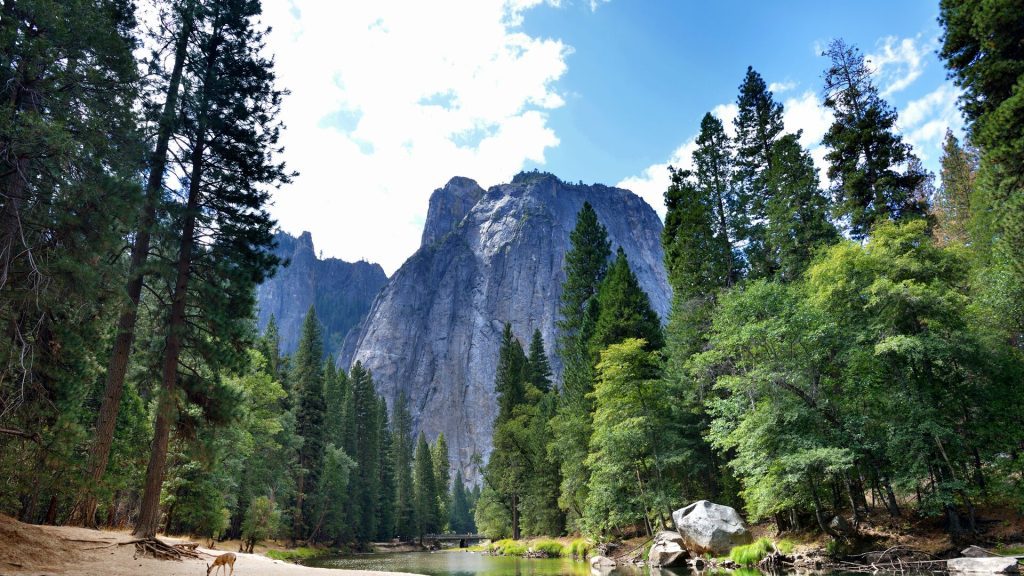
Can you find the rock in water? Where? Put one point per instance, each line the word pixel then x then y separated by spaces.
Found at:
pixel 990 565
pixel 341 291
pixel 488 257
pixel 711 528
pixel 668 551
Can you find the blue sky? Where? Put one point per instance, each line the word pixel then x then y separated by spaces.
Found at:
pixel 390 99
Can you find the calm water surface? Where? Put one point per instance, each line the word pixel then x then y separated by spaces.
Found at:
pixel 477 564
pixel 464 564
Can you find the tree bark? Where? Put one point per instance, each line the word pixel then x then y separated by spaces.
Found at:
pixel 149 515
pixel 99 454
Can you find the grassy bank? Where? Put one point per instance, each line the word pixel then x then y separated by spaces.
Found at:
pixel 577 549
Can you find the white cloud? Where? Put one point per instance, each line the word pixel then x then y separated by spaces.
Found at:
pixel 924 121
pixel 780 87
pixel 390 99
pixel 899 62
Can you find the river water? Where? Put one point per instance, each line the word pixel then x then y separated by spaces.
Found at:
pixel 460 563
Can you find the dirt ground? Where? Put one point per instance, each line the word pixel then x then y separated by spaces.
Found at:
pixel 51 550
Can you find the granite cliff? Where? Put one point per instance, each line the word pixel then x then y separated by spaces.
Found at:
pixel 488 257
pixel 341 291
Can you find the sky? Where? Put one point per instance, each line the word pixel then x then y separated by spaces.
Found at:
pixel 390 99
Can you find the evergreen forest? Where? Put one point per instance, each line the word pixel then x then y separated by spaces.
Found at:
pixel 840 344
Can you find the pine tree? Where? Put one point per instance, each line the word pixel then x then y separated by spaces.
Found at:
pixel 951 208
pixel 442 477
pixel 758 125
pixel 508 380
pixel 225 231
pixel 425 490
pixel 538 366
pixel 585 265
pixel 625 310
pixel 797 210
pixel 460 519
pixel 69 159
pixel 308 379
pixel 714 172
pixel 402 447
pixel 364 447
pixel 118 363
pixel 865 150
pixel 386 501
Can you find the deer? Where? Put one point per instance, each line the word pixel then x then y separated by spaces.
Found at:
pixel 222 561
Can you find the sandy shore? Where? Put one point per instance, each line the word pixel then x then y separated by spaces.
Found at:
pixel 52 550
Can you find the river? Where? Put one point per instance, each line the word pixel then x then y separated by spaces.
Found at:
pixel 460 563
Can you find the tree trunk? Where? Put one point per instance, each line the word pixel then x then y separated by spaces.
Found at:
pixel 149 514
pixel 99 454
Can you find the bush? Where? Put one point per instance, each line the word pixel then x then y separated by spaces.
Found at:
pixel 260 522
pixel 785 546
pixel 509 547
pixel 552 548
pixel 580 549
pixel 294 555
pixel 751 553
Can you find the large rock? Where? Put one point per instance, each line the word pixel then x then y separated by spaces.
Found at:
pixel 488 257
pixel 668 551
pixel 341 292
pixel 601 562
pixel 990 565
pixel 711 528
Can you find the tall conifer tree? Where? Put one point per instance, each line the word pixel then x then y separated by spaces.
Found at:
pixel 758 125
pixel 865 150
pixel 224 231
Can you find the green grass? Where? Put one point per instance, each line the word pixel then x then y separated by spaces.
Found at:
pixel 1009 550
pixel 295 554
pixel 553 548
pixel 580 548
pixel 751 553
pixel 509 547
pixel 785 546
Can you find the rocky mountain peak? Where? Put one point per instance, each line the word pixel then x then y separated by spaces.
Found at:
pixel 448 206
pixel 488 257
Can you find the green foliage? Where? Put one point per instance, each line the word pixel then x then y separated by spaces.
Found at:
pixel 402 447
pixel 586 263
pixel 624 310
pixel 865 149
pixel 758 124
pixel 509 547
pixel 752 553
pixel 550 548
pixel 785 546
pixel 460 518
pixel 296 555
pixel 580 548
pixel 442 478
pixel 426 501
pixel 261 522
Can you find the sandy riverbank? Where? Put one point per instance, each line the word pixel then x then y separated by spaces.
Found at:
pixel 52 550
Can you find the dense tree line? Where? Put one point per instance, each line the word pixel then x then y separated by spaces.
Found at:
pixel 851 350
pixel 134 388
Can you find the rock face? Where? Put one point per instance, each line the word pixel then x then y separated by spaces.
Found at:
pixel 434 330
pixel 668 551
pixel 341 291
pixel 992 565
pixel 712 528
